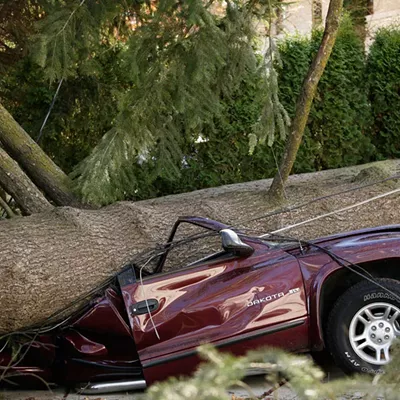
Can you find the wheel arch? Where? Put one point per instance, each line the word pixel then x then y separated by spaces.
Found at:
pixel 332 281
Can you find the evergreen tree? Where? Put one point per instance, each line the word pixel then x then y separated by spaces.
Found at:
pixel 384 92
pixel 182 58
pixel 16 25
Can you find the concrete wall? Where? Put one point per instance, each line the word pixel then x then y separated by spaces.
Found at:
pixel 297 17
pixel 386 13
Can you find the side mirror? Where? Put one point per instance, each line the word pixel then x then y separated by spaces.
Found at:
pixel 231 242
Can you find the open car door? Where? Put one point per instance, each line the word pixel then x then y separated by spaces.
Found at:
pixel 227 299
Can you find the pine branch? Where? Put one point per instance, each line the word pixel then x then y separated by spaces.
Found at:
pixel 213 379
pixel 182 60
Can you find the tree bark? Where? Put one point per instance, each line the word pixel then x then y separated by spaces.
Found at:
pixel 50 259
pixel 4 205
pixel 29 198
pixel 306 98
pixel 39 167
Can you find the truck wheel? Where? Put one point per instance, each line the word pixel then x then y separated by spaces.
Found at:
pixel 362 326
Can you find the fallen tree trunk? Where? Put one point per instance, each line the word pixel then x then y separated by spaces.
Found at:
pixel 29 198
pixel 49 259
pixel 46 175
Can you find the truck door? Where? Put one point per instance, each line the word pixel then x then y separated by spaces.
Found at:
pixel 216 301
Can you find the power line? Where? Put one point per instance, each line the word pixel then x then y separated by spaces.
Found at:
pixel 333 212
pixel 49 111
pixel 316 199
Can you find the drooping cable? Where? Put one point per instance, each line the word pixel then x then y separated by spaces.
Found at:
pixel 283 189
pixel 332 212
pixel 47 323
pixel 365 274
pixel 49 111
pixel 144 258
pixel 355 268
pixel 316 199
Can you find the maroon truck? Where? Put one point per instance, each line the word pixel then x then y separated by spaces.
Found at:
pixel 340 293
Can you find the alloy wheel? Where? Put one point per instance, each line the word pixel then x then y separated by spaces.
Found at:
pixel 373 330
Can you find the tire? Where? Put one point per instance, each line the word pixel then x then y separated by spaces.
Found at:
pixel 350 326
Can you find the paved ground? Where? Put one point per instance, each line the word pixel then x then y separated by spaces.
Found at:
pixel 256 383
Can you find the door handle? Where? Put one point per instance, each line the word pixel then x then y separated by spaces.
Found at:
pixel 144 307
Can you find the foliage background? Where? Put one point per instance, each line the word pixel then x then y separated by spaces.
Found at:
pixel 337 130
pixel 355 116
pixel 212 379
pixel 383 70
pixel 84 109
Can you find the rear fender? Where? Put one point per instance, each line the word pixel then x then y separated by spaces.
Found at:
pixel 356 255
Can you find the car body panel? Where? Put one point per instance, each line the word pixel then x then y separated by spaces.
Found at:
pixel 206 304
pixel 291 336
pixel 269 298
pixel 357 247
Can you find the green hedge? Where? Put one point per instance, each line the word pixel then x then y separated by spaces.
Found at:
pixel 223 155
pixel 384 80
pixel 336 133
pixel 83 111
pixel 356 109
pixel 337 130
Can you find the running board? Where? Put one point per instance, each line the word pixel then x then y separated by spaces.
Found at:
pixel 110 387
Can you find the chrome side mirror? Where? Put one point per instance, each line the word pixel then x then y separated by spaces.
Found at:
pixel 231 242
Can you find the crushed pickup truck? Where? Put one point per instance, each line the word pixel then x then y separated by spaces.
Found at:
pixel 340 293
